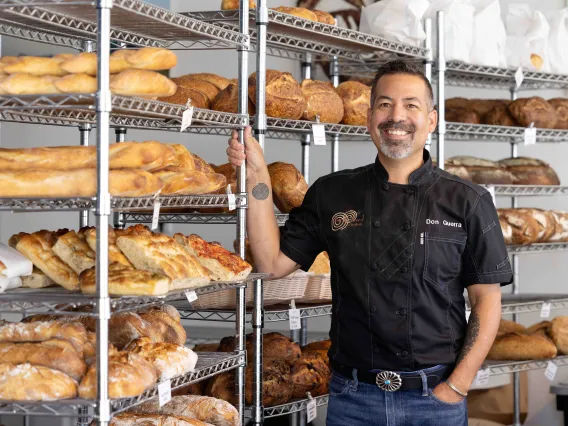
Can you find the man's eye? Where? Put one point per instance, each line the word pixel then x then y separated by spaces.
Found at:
pixel 384 105
pixel 412 106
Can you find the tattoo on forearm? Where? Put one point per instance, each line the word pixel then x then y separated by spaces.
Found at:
pixel 471 336
pixel 260 191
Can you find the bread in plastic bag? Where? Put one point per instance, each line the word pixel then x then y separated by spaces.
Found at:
pixel 558 41
pixel 396 20
pixel 488 47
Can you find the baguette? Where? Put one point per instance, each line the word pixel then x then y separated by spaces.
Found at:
pixel 75 252
pixel 74 332
pixel 131 419
pixel 38 247
pixel 57 354
pixel 37 66
pixel 28 84
pixel 205 408
pixel 125 281
pixel 128 375
pixel 142 83
pixel 76 83
pixel 26 382
pixel 152 58
pixel 190 182
pixel 169 360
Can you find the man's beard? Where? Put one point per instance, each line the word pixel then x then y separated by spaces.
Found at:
pixel 393 148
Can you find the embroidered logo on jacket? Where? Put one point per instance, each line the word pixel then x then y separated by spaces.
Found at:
pixel 341 220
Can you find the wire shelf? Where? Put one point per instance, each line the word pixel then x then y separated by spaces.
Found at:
pixel 208 365
pixel 526 303
pixel 528 190
pixel 217 219
pixel 278 128
pixel 119 203
pixel 486 133
pixel 498 367
pixel 294 407
pixel 135 23
pixel 468 75
pixel 8 28
pixel 57 300
pixel 537 248
pixel 290 33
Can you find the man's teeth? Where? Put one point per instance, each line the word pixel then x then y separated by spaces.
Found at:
pixel 397 132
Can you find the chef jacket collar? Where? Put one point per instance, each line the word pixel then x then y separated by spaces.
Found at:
pixel 416 177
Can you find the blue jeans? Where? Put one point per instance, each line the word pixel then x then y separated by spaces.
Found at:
pixel 353 403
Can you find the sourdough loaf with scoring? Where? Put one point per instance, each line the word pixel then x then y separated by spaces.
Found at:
pixel 499 115
pixel 284 97
pixel 534 110
pixel 560 106
pixel 324 17
pixel 26 382
pixel 356 98
pixel 234 4
pixel 182 95
pixel 227 100
pixel 524 228
pixel 530 171
pixel 288 186
pixel 462 115
pixel 321 101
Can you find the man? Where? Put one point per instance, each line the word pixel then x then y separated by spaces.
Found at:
pixel 405 239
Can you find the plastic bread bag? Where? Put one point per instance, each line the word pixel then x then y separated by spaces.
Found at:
pixel 558 41
pixel 489 47
pixel 9 283
pixel 396 20
pixel 527 38
pixel 15 265
pixel 458 27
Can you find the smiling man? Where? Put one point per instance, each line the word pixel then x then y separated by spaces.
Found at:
pixel 406 240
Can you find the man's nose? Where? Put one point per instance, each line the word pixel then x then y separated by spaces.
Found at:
pixel 398 113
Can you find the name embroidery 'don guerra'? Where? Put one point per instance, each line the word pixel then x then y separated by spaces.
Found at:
pixel 444 222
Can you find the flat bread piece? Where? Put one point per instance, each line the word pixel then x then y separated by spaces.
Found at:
pixel 75 252
pixel 114 253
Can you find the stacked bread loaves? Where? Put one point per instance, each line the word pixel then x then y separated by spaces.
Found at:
pixel 530 226
pixel 524 112
pixel 47 357
pixel 133 73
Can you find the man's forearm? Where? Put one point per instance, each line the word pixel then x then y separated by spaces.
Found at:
pixel 481 331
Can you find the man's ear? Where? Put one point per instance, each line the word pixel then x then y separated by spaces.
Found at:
pixel 433 120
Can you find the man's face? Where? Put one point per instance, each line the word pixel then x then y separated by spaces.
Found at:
pixel 401 116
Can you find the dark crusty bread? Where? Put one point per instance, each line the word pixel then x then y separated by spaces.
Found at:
pixel 462 115
pixel 533 110
pixel 499 115
pixel 560 106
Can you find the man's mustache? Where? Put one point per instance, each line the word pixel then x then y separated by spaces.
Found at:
pixel 390 125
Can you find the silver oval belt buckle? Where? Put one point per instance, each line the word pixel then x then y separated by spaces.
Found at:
pixel 388 381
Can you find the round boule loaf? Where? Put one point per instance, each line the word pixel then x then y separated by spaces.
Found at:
pixel 356 102
pixel 288 186
pixel 535 110
pixel 299 12
pixel 560 106
pixel 499 115
pixel 462 115
pixel 227 100
pixel 322 100
pixel 284 98
pixel 208 89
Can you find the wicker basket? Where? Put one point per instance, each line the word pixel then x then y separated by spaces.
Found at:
pixel 282 290
pixel 225 299
pixel 318 289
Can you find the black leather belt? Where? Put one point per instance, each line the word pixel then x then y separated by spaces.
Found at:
pixel 392 381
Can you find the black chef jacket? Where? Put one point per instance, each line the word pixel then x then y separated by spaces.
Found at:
pixel 401 256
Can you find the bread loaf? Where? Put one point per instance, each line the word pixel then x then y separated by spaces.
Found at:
pixel 299 12
pixel 187 161
pixel 75 252
pixel 222 387
pixel 459 171
pixel 483 106
pixel 57 354
pixel 499 115
pixel 169 329
pixel 561 232
pixel 125 281
pixel 462 115
pixel 310 374
pixel 37 280
pixel 558 331
pixel 356 102
pixel 142 83
pixel 219 82
pixel 28 84
pixel 190 182
pixel 533 110
pixel 152 58
pixel 26 382
pixel 204 408
pixel 530 171
pixel 321 264
pixel 221 263
pixel 131 419
pixel 129 375
pixel 324 17
pixel 539 328
pixel 524 228
pixel 234 4
pixel 182 95
pixel 507 327
pixel 521 347
pixel 227 100
pixel 168 309
pixel 126 327
pixel 277 387
pixel 114 253
pixel 288 186
pixel 321 100
pixel 483 171
pixel 76 83
pixel 205 87
pixel 86 63
pixel 546 224
pixel 161 254
pixel 169 360
pixel 507 230
pixel 74 332
pixel 560 106
pixel 284 98
pixel 35 65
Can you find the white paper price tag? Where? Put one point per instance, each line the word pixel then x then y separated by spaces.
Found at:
pixel 519 77
pixel 156 215
pixel 191 296
pixel 165 392
pixel 319 134
pixel 482 377
pixel 545 310
pixel 295 320
pixel 551 370
pixel 231 198
pixel 186 119
pixel 530 136
pixel 311 410
pixel 491 190
pixel 467 315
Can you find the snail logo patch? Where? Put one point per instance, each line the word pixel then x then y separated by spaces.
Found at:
pixel 342 220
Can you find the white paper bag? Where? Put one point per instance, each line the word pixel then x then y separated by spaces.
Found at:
pixel 9 283
pixel 458 27
pixel 397 20
pixel 558 41
pixel 489 35
pixel 16 265
pixel 527 38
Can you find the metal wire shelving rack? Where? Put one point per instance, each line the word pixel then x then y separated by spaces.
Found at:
pixel 89 26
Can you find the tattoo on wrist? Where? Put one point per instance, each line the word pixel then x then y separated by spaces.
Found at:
pixel 260 191
pixel 471 336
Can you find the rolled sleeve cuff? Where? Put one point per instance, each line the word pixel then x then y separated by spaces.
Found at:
pixel 503 277
pixel 297 256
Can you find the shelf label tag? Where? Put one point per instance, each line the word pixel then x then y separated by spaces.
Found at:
pixel 519 77
pixel 319 134
pixel 551 370
pixel 156 215
pixel 311 409
pixel 545 311
pixel 491 190
pixel 530 136
pixel 165 392
pixel 294 317
pixel 186 118
pixel 482 377
pixel 231 198
pixel 191 296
